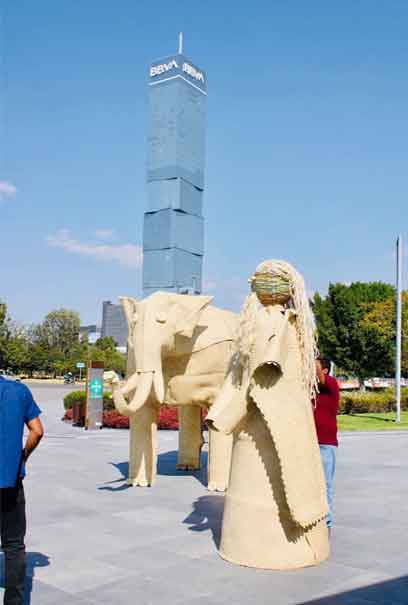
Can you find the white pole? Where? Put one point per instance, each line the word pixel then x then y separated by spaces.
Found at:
pixel 180 48
pixel 399 329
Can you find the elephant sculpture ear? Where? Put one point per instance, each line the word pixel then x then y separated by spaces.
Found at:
pixel 129 306
pixel 189 314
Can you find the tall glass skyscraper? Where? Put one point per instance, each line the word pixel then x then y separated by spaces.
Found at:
pixel 173 238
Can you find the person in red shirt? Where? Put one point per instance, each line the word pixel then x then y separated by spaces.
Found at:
pixel 326 408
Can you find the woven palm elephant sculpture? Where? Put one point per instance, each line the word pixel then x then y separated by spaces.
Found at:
pixel 179 349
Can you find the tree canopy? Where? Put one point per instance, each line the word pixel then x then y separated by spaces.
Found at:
pixel 53 346
pixel 349 329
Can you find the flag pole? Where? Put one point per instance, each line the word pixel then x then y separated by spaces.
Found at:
pixel 398 330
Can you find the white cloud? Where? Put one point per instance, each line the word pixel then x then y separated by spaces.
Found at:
pixel 7 189
pixel 104 234
pixel 128 255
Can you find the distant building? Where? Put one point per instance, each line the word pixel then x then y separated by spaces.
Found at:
pixel 91 332
pixel 114 323
pixel 173 237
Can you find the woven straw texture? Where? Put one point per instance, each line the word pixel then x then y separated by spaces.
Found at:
pixel 271 289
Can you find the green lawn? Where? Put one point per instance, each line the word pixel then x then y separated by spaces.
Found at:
pixel 372 422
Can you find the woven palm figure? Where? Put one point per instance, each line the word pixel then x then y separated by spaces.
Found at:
pixel 275 506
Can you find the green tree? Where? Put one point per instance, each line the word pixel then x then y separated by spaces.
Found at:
pixel 39 359
pixel 344 337
pixel 60 331
pixel 381 320
pixel 106 343
pixel 16 352
pixel 114 360
pixel 105 350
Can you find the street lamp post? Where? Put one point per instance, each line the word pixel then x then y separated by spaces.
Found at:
pixel 399 329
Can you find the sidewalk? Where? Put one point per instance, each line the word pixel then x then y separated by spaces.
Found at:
pixel 93 540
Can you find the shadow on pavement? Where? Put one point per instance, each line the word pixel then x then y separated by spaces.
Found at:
pixel 390 592
pixel 123 468
pixel 207 514
pixel 34 559
pixel 166 466
pixel 380 418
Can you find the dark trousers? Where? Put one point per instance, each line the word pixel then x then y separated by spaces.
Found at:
pixel 13 529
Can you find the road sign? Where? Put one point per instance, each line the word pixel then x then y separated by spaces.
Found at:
pixel 94 403
pixel 95 388
pixel 80 365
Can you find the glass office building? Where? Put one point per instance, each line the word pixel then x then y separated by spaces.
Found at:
pixel 173 234
pixel 114 323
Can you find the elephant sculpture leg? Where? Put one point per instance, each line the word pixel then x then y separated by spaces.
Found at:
pixel 219 460
pixel 143 446
pixel 190 437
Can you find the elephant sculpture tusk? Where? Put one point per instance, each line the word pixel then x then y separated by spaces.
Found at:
pixel 158 384
pixel 131 384
pixel 142 392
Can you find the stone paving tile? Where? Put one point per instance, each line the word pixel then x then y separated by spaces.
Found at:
pixel 146 560
pixel 42 594
pixel 289 587
pixel 107 543
pixel 390 592
pixel 376 548
pixel 194 546
pixel 79 574
pixel 137 590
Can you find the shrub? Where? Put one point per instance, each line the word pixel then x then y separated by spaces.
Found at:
pixel 112 419
pixel 167 419
pixel 168 416
pixel 373 402
pixel 74 397
pixel 68 415
pixel 80 397
pixel 108 401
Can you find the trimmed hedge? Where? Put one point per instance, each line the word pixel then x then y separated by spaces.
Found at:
pixel 80 397
pixel 168 417
pixel 361 402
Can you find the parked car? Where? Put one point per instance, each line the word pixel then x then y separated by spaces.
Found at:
pixel 348 384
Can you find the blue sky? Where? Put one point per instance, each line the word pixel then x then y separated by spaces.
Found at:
pixel 306 148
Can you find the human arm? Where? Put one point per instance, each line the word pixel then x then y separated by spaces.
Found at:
pixel 321 376
pixel 35 434
pixel 33 423
pixel 332 389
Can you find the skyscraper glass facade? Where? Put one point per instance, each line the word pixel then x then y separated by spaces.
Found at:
pixel 173 239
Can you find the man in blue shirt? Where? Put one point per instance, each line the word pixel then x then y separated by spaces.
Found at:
pixel 17 408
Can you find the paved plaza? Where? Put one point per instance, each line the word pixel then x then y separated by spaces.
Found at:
pixel 93 540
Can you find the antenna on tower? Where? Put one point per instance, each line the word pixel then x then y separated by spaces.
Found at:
pixel 180 48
